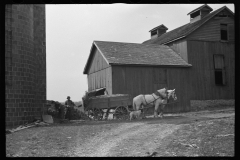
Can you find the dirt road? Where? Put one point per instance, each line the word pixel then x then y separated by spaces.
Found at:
pixel 127 139
pixel 141 138
pixel 203 133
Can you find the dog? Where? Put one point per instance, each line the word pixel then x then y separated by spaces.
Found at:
pixel 135 114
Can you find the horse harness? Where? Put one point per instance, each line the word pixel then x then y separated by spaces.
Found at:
pixel 158 94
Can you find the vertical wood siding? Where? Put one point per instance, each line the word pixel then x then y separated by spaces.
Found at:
pixel 100 73
pixel 200 55
pixel 140 80
pixel 98 62
pixel 210 31
pixel 100 79
pixel 179 79
pixel 180 47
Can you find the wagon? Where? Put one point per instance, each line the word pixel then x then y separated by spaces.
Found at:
pixel 117 104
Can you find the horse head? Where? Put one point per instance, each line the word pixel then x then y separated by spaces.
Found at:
pixel 171 93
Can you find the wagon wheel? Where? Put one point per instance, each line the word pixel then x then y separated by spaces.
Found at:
pixel 98 114
pixel 90 113
pixel 121 113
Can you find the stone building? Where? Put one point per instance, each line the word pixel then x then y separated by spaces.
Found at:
pixel 25 63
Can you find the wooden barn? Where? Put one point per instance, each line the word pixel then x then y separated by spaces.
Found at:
pixel 197 59
pixel 131 68
pixel 207 43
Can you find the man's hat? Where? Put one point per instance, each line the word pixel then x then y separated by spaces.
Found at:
pixel 68 97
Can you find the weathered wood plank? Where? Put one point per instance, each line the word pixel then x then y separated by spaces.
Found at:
pixel 211 30
pixel 202 73
pixel 139 80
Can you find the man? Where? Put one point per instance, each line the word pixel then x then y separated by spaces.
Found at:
pixel 69 107
pixel 69 102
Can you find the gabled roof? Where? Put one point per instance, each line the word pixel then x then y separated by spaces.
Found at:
pixel 201 7
pixel 121 53
pixel 184 30
pixel 160 26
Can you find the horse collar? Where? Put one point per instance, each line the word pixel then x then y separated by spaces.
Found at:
pixel 160 95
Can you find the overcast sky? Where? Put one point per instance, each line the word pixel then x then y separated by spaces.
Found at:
pixel 71 29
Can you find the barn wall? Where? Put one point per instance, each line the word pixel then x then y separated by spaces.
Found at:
pixel 98 62
pixel 100 74
pixel 179 79
pixel 135 80
pixel 202 71
pixel 100 79
pixel 144 80
pixel 180 47
pixel 210 31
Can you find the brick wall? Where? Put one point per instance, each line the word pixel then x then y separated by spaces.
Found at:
pixel 25 63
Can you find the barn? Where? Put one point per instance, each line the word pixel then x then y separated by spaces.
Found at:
pixel 197 59
pixel 207 42
pixel 131 68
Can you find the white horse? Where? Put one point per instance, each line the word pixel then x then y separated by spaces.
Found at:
pixel 160 97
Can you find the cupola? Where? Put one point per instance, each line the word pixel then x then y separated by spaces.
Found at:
pixel 200 12
pixel 158 31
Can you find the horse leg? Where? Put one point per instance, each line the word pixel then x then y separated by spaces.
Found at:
pixel 131 116
pixel 161 111
pixel 156 110
pixel 142 110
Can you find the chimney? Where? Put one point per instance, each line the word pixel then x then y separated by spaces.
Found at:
pixel 158 31
pixel 200 12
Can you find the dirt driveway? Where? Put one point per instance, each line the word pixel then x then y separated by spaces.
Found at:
pixel 206 133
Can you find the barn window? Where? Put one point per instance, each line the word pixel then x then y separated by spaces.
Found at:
pixel 219 69
pixel 159 76
pixel 153 33
pixel 195 14
pixel 224 32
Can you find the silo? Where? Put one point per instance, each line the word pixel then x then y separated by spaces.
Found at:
pixel 25 63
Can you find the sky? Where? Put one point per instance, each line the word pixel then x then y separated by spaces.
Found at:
pixel 72 28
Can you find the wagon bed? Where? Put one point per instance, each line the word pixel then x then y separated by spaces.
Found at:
pixel 120 103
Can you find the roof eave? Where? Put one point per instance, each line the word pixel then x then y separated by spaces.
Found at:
pixel 101 53
pixel 150 65
pixel 85 68
pixel 89 57
pixel 173 40
pixel 199 8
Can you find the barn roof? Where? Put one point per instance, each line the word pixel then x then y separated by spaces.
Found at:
pixel 184 30
pixel 121 53
pixel 201 7
pixel 160 26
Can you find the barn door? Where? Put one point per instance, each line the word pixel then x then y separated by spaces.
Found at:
pixel 159 78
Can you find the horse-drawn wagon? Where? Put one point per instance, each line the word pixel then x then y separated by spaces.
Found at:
pixel 99 107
